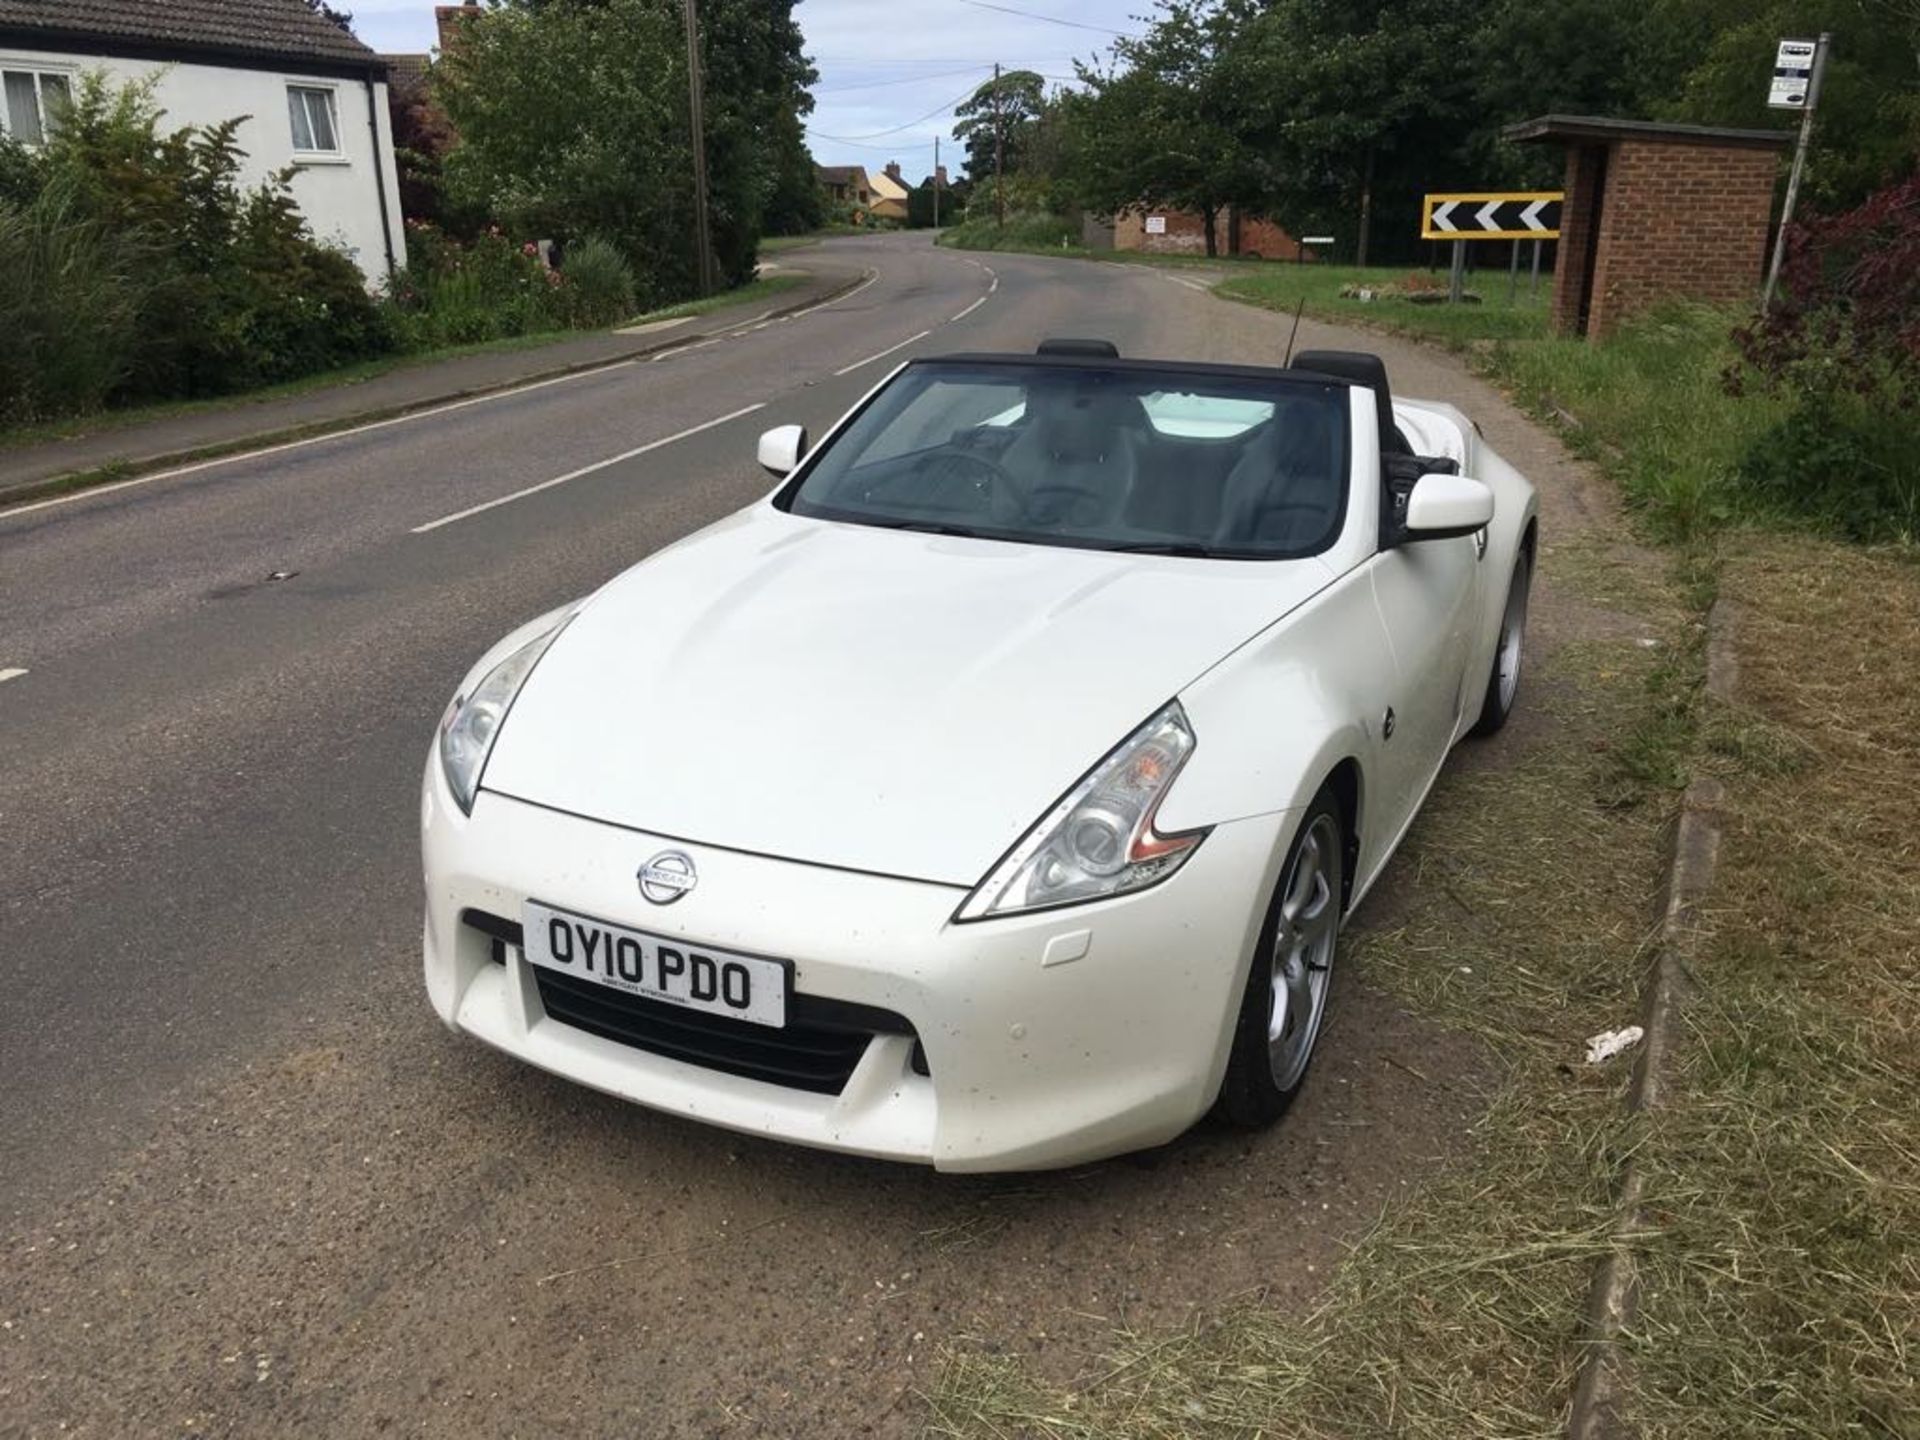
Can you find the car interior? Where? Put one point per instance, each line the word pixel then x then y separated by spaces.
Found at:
pixel 1114 458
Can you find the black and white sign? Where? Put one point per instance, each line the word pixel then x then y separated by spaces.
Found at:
pixel 698 977
pixel 1512 215
pixel 1792 75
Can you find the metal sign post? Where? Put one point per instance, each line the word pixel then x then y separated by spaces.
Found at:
pixel 1796 86
pixel 1514 215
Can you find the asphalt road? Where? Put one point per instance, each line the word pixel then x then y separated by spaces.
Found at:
pixel 247 1183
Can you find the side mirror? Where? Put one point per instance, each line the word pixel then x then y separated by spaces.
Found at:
pixel 781 448
pixel 1442 506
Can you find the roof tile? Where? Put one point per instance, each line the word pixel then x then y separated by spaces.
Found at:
pixel 259 29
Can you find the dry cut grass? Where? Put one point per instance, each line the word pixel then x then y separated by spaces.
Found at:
pixel 1783 1289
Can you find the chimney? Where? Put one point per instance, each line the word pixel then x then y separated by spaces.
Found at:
pixel 893 170
pixel 450 20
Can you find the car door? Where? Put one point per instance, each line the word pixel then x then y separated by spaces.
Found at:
pixel 1426 591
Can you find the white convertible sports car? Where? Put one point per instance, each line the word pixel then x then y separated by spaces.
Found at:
pixel 992 794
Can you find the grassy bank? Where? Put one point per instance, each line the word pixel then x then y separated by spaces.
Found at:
pixel 1782 1287
pixel 1317 290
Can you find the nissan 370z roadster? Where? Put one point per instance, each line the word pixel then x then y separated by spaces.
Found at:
pixel 992 794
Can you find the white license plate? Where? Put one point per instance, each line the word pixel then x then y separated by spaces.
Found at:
pixel 699 977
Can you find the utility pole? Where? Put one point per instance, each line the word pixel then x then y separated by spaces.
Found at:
pixel 936 182
pixel 696 103
pixel 1799 163
pixel 999 146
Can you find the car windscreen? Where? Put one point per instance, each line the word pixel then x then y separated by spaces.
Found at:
pixel 1176 462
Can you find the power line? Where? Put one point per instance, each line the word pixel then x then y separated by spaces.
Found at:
pixel 1050 19
pixel 918 120
pixel 904 80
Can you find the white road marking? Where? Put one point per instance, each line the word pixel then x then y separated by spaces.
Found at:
pixel 195 469
pixel 588 469
pixel 12 672
pixel 411 415
pixel 849 369
pixel 872 275
pixel 969 310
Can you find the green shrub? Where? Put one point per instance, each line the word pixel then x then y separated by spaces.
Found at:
pixel 1850 466
pixel 596 286
pixel 1024 230
pixel 454 294
pixel 70 301
pixel 168 278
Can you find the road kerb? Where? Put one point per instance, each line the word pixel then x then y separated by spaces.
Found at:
pixel 1598 1410
pixel 113 471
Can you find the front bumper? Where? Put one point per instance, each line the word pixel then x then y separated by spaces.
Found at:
pixel 1050 1039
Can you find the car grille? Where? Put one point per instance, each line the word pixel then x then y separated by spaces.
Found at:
pixel 816 1050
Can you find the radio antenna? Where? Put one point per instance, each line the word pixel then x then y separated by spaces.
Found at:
pixel 1293 332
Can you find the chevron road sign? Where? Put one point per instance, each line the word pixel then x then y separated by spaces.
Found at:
pixel 1508 215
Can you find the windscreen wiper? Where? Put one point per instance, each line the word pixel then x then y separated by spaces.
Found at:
pixel 928 527
pixel 1186 548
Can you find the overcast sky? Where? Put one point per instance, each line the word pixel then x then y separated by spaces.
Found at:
pixel 884 64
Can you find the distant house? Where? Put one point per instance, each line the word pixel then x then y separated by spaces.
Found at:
pixel 846 184
pixel 890 194
pixel 315 98
pixel 1180 232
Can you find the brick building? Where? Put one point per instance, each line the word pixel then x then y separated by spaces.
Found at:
pixel 1180 232
pixel 1656 212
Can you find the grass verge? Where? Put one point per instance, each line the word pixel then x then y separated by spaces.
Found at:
pixel 1782 1283
pixel 1315 289
pixel 762 289
pixel 43 432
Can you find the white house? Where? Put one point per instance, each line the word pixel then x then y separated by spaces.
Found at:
pixel 315 98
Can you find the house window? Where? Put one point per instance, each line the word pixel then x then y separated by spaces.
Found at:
pixel 34 100
pixel 314 130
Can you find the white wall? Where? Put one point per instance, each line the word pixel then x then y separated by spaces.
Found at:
pixel 338 196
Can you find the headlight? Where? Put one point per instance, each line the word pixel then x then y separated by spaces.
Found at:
pixel 1099 840
pixel 473 720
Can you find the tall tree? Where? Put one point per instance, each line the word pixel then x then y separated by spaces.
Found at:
pixel 1168 125
pixel 1003 110
pixel 573 121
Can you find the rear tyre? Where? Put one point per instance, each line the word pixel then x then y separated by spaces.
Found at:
pixel 1503 684
pixel 1291 974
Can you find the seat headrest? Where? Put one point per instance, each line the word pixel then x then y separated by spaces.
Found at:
pixel 1361 368
pixel 1094 349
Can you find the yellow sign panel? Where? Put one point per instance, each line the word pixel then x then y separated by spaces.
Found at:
pixel 1492 215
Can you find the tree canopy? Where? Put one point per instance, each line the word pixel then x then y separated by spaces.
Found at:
pixel 1338 115
pixel 573 121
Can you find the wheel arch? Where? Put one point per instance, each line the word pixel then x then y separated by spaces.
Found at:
pixel 1346 781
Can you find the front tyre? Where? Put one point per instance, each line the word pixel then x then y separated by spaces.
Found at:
pixel 1503 684
pixel 1292 970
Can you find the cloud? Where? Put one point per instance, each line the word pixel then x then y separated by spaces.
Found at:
pixel 883 64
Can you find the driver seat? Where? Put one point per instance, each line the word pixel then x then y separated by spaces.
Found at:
pixel 1076 457
pixel 1285 492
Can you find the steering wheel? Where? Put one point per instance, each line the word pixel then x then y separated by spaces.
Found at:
pixel 946 468
pixel 1058 500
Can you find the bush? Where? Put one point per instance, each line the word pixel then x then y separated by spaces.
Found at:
pixel 596 286
pixel 1842 346
pixel 70 302
pixel 454 294
pixel 137 268
pixel 1024 230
